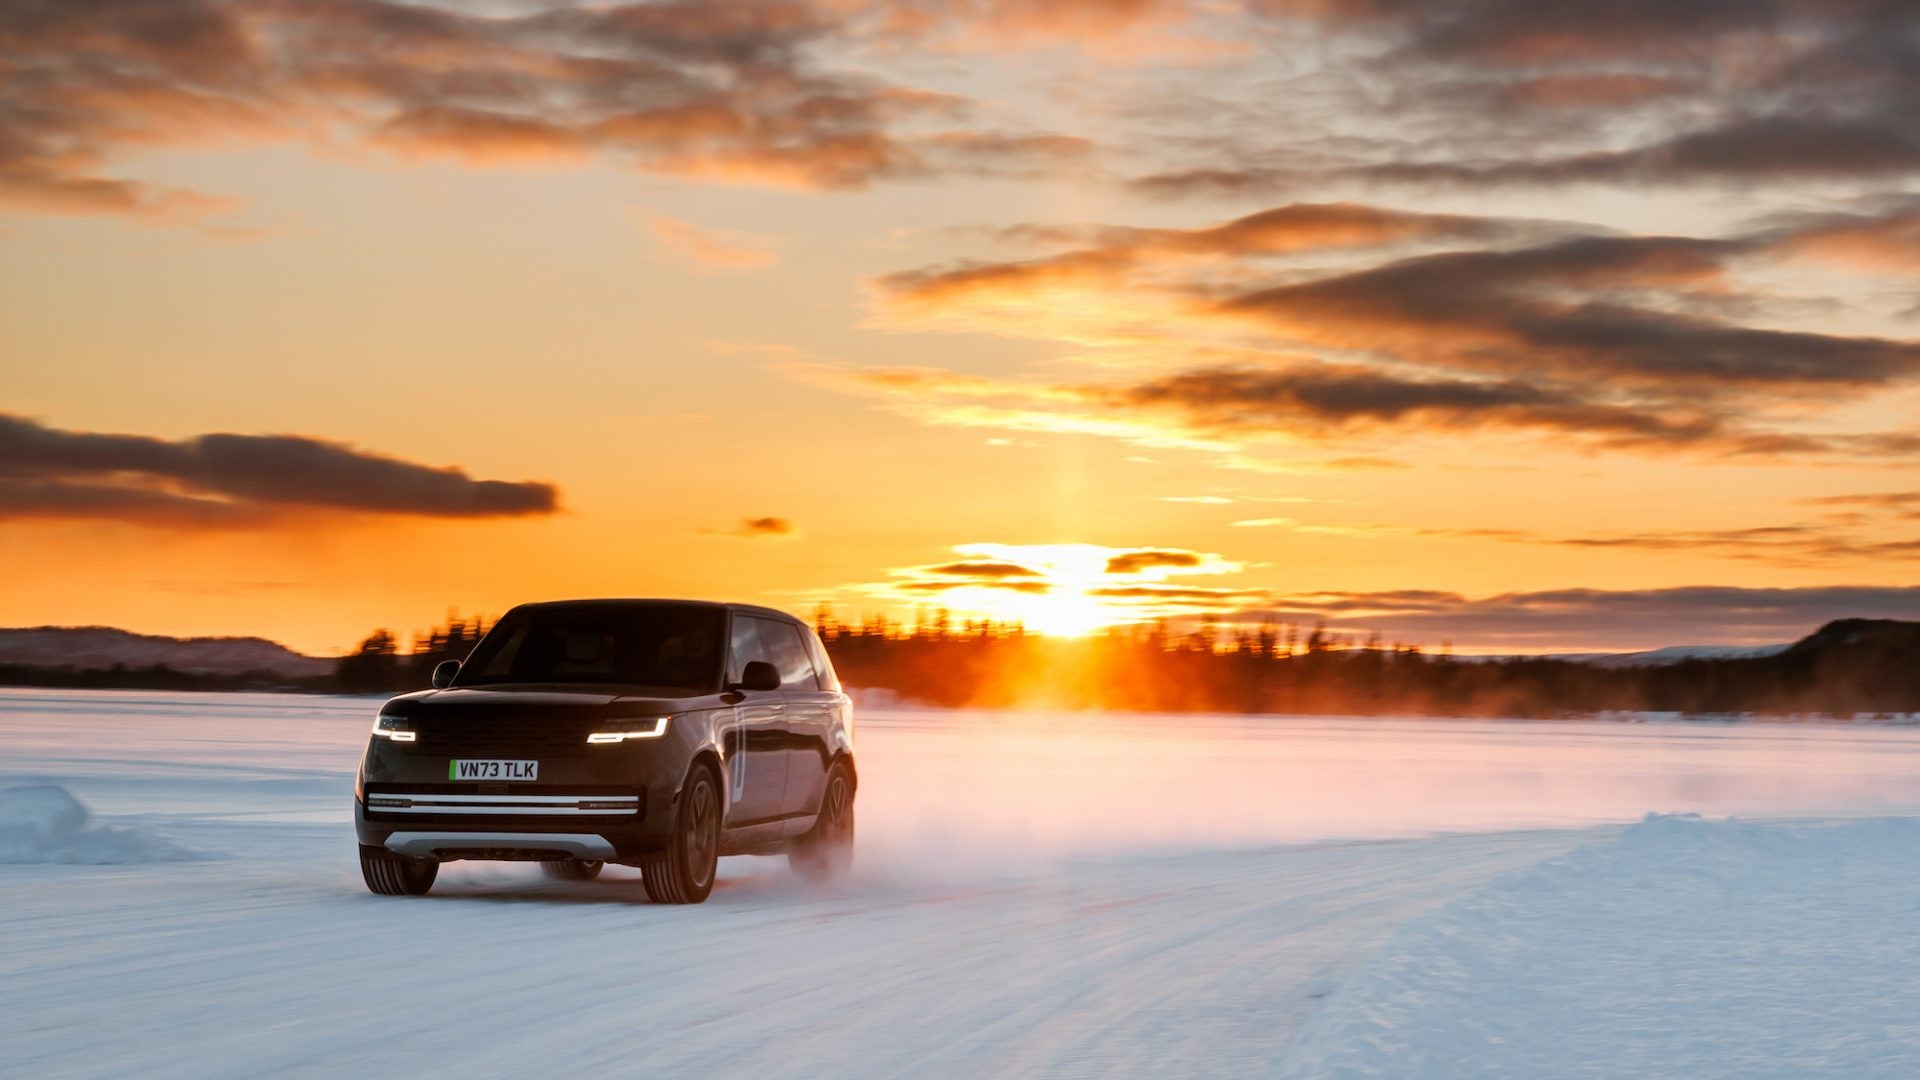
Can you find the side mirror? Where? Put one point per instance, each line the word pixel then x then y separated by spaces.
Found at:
pixel 759 675
pixel 443 673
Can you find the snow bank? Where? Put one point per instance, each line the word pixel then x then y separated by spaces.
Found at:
pixel 46 824
pixel 1682 948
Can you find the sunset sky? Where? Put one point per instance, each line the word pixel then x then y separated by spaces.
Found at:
pixel 1517 324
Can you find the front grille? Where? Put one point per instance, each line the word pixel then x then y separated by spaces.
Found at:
pixel 525 805
pixel 402 801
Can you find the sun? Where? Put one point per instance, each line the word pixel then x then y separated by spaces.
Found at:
pixel 1063 614
pixel 1062 590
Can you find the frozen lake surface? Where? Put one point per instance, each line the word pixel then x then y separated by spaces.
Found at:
pixel 1076 895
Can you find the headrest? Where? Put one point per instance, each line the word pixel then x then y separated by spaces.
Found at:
pixel 584 647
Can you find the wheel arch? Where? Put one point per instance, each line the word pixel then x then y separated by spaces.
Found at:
pixel 845 757
pixel 710 758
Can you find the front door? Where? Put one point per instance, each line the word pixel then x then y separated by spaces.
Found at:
pixel 755 742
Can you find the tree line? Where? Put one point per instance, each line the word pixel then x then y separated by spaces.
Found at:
pixel 1847 668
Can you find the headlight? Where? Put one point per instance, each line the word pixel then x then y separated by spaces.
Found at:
pixel 397 728
pixel 632 729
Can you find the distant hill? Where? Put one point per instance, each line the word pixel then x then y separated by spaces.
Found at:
pixel 1673 654
pixel 96 648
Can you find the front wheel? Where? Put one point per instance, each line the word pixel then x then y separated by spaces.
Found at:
pixel 387 874
pixel 683 873
pixel 826 852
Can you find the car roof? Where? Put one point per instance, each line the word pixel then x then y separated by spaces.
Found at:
pixel 745 609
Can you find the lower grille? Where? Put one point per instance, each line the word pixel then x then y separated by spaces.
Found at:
pixel 421 802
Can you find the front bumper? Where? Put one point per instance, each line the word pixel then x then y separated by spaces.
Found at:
pixel 613 827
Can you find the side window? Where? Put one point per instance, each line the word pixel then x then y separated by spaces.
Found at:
pixel 822 665
pixel 788 654
pixel 744 648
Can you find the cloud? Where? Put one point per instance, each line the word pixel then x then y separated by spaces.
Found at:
pixel 733 92
pixel 1133 562
pixel 757 528
pixel 1882 243
pixel 1907 502
pixel 712 249
pixel 1798 544
pixel 1019 586
pixel 1646 343
pixel 1586 306
pixel 1593 618
pixel 1178 595
pixel 223 478
pixel 1069 588
pixel 981 570
pixel 1285 230
pixel 1493 93
pixel 1114 29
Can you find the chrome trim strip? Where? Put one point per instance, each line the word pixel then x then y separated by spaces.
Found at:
pixel 561 799
pixel 426 844
pixel 515 811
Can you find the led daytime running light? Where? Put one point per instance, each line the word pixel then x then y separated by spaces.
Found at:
pixel 395 728
pixel 659 728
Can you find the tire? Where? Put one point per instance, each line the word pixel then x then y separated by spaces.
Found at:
pixel 388 874
pixel 826 852
pixel 684 872
pixel 572 869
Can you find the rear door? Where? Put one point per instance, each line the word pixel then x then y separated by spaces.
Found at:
pixel 755 742
pixel 809 715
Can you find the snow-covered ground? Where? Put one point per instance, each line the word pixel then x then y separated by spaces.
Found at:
pixel 1035 895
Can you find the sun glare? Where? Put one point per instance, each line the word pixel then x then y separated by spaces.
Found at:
pixel 1062 590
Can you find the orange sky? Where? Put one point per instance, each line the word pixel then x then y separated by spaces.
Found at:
pixel 1516 326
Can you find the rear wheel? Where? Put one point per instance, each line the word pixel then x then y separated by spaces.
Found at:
pixel 683 873
pixel 388 874
pixel 826 852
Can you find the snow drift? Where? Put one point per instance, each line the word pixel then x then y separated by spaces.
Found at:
pixel 1682 948
pixel 46 824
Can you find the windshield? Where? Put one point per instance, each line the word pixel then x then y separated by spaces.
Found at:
pixel 657 646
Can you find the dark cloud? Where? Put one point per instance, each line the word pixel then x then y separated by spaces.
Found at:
pixel 1133 562
pixel 1338 397
pixel 1110 251
pixel 1625 341
pixel 210 479
pixel 1595 618
pixel 732 91
pixel 1582 306
pixel 1179 595
pixel 1017 585
pixel 981 570
pixel 759 528
pixel 1760 149
pixel 1486 93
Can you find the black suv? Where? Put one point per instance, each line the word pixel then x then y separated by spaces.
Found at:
pixel 654 733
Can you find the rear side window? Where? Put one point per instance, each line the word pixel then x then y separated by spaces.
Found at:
pixel 822 665
pixel 782 640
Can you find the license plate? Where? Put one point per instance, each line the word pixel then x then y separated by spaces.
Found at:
pixel 493 770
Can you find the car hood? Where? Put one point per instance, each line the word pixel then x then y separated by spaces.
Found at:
pixel 531 701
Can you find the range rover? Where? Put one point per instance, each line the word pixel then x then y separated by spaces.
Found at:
pixel 660 734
